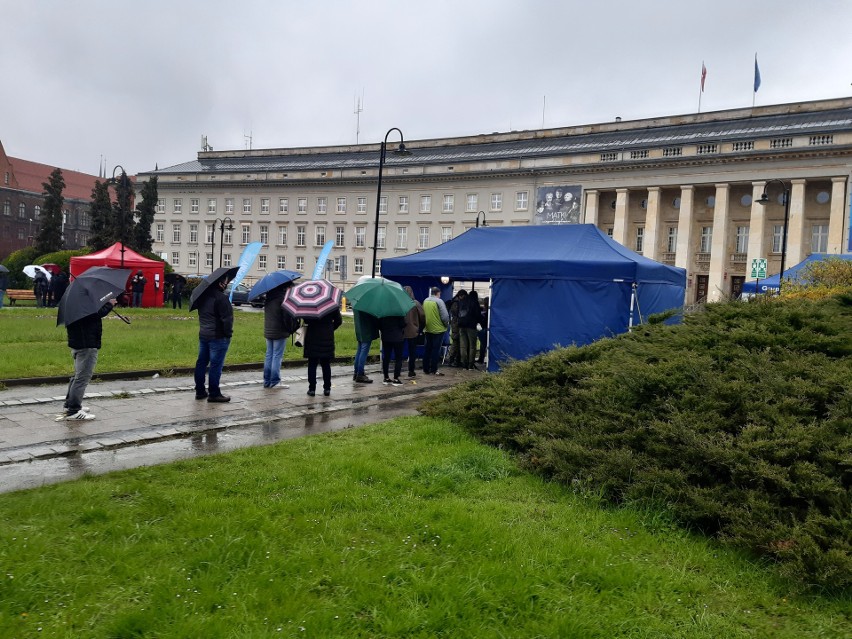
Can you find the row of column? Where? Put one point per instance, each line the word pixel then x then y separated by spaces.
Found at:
pixel 759 240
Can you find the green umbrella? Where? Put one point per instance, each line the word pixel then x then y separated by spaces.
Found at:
pixel 380 297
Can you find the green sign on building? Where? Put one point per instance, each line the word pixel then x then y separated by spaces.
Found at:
pixel 758 268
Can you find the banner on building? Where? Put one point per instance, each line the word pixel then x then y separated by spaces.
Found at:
pixel 557 205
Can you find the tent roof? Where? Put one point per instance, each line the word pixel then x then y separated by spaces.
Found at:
pixel 792 273
pixel 569 251
pixel 112 256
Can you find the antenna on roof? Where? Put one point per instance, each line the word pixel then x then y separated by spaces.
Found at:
pixel 359 106
pixel 204 145
pixel 248 140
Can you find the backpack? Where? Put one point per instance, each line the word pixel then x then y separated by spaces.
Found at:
pixel 464 309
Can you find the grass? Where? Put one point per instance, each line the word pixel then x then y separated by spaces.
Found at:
pixel 404 529
pixel 33 346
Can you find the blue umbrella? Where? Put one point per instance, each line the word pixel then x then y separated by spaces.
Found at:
pixel 270 281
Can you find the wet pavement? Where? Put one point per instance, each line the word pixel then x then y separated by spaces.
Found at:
pixel 148 421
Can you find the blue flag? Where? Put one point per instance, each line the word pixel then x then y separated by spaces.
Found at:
pixel 323 256
pixel 246 260
pixel 756 75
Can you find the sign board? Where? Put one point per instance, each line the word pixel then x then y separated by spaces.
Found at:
pixel 758 268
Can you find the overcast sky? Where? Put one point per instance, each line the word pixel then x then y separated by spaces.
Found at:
pixel 139 83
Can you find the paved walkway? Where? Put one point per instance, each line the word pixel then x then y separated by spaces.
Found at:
pixel 142 411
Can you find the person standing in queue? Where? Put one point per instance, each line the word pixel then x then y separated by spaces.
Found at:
pixel 366 330
pixel 393 339
pixel 319 349
pixel 216 327
pixel 437 322
pixel 278 325
pixel 415 322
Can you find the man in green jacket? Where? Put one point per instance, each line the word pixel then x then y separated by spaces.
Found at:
pixel 437 322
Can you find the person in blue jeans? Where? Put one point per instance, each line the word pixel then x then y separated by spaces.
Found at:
pixel 278 325
pixel 216 326
pixel 366 330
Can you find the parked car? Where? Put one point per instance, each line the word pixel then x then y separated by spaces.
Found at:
pixel 241 296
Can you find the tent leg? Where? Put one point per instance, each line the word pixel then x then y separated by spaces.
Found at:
pixel 632 304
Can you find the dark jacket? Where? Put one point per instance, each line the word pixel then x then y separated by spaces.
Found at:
pixel 415 320
pixel 86 332
pixel 469 313
pixel 393 328
pixel 215 315
pixel 319 336
pixel 366 327
pixel 277 323
pixel 138 283
pixel 4 280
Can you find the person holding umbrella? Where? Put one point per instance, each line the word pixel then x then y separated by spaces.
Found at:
pixel 215 328
pixel 278 324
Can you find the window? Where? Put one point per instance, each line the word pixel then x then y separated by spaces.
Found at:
pixel 706 239
pixel 671 240
pixel 472 203
pixel 177 205
pixel 377 264
pixel 246 206
pixel 261 262
pixel 402 237
pixel 300 263
pixel 339 236
pixel 359 266
pixel 777 232
pixel 211 232
pixel 341 205
pixel 448 202
pixel 228 237
pixel 161 205
pixel 246 233
pixel 283 205
pixel 319 235
pixel 193 205
pixel 264 206
pixel 175 258
pixel 303 205
pixel 20 233
pixel 609 231
pixel 282 235
pixel 640 239
pixel 281 262
pixel 362 205
pixel 161 232
pixel 360 236
pixel 336 265
pixel 383 205
pixel 300 236
pixel 176 233
pixel 496 201
pixel 6 178
pixel 521 200
pixel 423 237
pixel 446 233
pixel 403 204
pixel 425 203
pixel 380 241
pixel 322 205
pixel 37 211
pixel 229 205
pixel 226 259
pixel 211 206
pixel 193 259
pixel 819 238
pixel 22 210
pixel 208 260
pixel 742 239
pixel 264 233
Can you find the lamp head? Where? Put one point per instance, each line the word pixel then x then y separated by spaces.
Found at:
pixel 764 199
pixel 401 151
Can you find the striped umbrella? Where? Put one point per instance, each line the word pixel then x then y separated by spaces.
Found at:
pixel 312 299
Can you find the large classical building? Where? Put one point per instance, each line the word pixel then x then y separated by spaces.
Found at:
pixel 682 190
pixel 22 198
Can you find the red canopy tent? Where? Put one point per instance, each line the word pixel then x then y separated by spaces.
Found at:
pixel 153 270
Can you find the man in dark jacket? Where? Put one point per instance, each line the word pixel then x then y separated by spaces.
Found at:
pixel 469 315
pixel 393 339
pixel 319 349
pixel 278 325
pixel 84 339
pixel 216 326
pixel 138 287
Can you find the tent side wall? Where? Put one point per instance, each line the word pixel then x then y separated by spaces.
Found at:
pixel 153 270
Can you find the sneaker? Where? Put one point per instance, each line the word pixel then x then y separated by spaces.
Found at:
pixel 327 392
pixel 396 381
pixel 312 393
pixel 438 374
pixel 386 381
pixel 412 374
pixel 80 415
pixel 363 379
pixel 218 399
pixel 200 395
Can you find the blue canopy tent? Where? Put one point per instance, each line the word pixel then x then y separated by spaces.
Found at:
pixel 770 284
pixel 551 285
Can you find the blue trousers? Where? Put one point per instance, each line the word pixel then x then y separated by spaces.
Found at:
pixel 211 352
pixel 361 354
pixel 272 361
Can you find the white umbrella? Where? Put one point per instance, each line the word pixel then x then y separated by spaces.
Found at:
pixel 30 270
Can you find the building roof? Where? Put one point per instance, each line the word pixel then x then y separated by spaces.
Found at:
pixel 31 175
pixel 816 118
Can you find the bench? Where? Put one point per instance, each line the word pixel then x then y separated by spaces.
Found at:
pixel 15 294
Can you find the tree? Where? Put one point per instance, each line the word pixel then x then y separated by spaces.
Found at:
pixel 103 231
pixel 50 234
pixel 123 221
pixel 142 240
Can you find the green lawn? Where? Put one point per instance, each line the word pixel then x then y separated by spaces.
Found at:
pixel 404 529
pixel 31 345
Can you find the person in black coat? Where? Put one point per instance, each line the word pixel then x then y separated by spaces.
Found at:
pixel 319 349
pixel 215 328
pixel 393 339
pixel 469 316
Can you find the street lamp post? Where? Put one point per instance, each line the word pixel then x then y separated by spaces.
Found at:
pixel 222 228
pixel 123 182
pixel 484 223
pixel 764 200
pixel 400 151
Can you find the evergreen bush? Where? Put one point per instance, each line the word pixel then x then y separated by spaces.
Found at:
pixel 738 422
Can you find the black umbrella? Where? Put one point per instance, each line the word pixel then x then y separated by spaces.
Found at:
pixel 205 283
pixel 171 278
pixel 90 291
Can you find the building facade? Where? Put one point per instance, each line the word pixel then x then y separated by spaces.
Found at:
pixel 22 199
pixel 682 190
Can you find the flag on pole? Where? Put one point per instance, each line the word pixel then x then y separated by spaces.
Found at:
pixel 703 76
pixel 246 260
pixel 756 74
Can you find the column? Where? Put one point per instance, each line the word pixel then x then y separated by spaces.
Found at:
pixel 796 249
pixel 652 224
pixel 756 228
pixel 685 245
pixel 621 223
pixel 591 212
pixel 836 215
pixel 718 284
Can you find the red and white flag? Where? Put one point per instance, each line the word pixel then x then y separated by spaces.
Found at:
pixel 703 76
